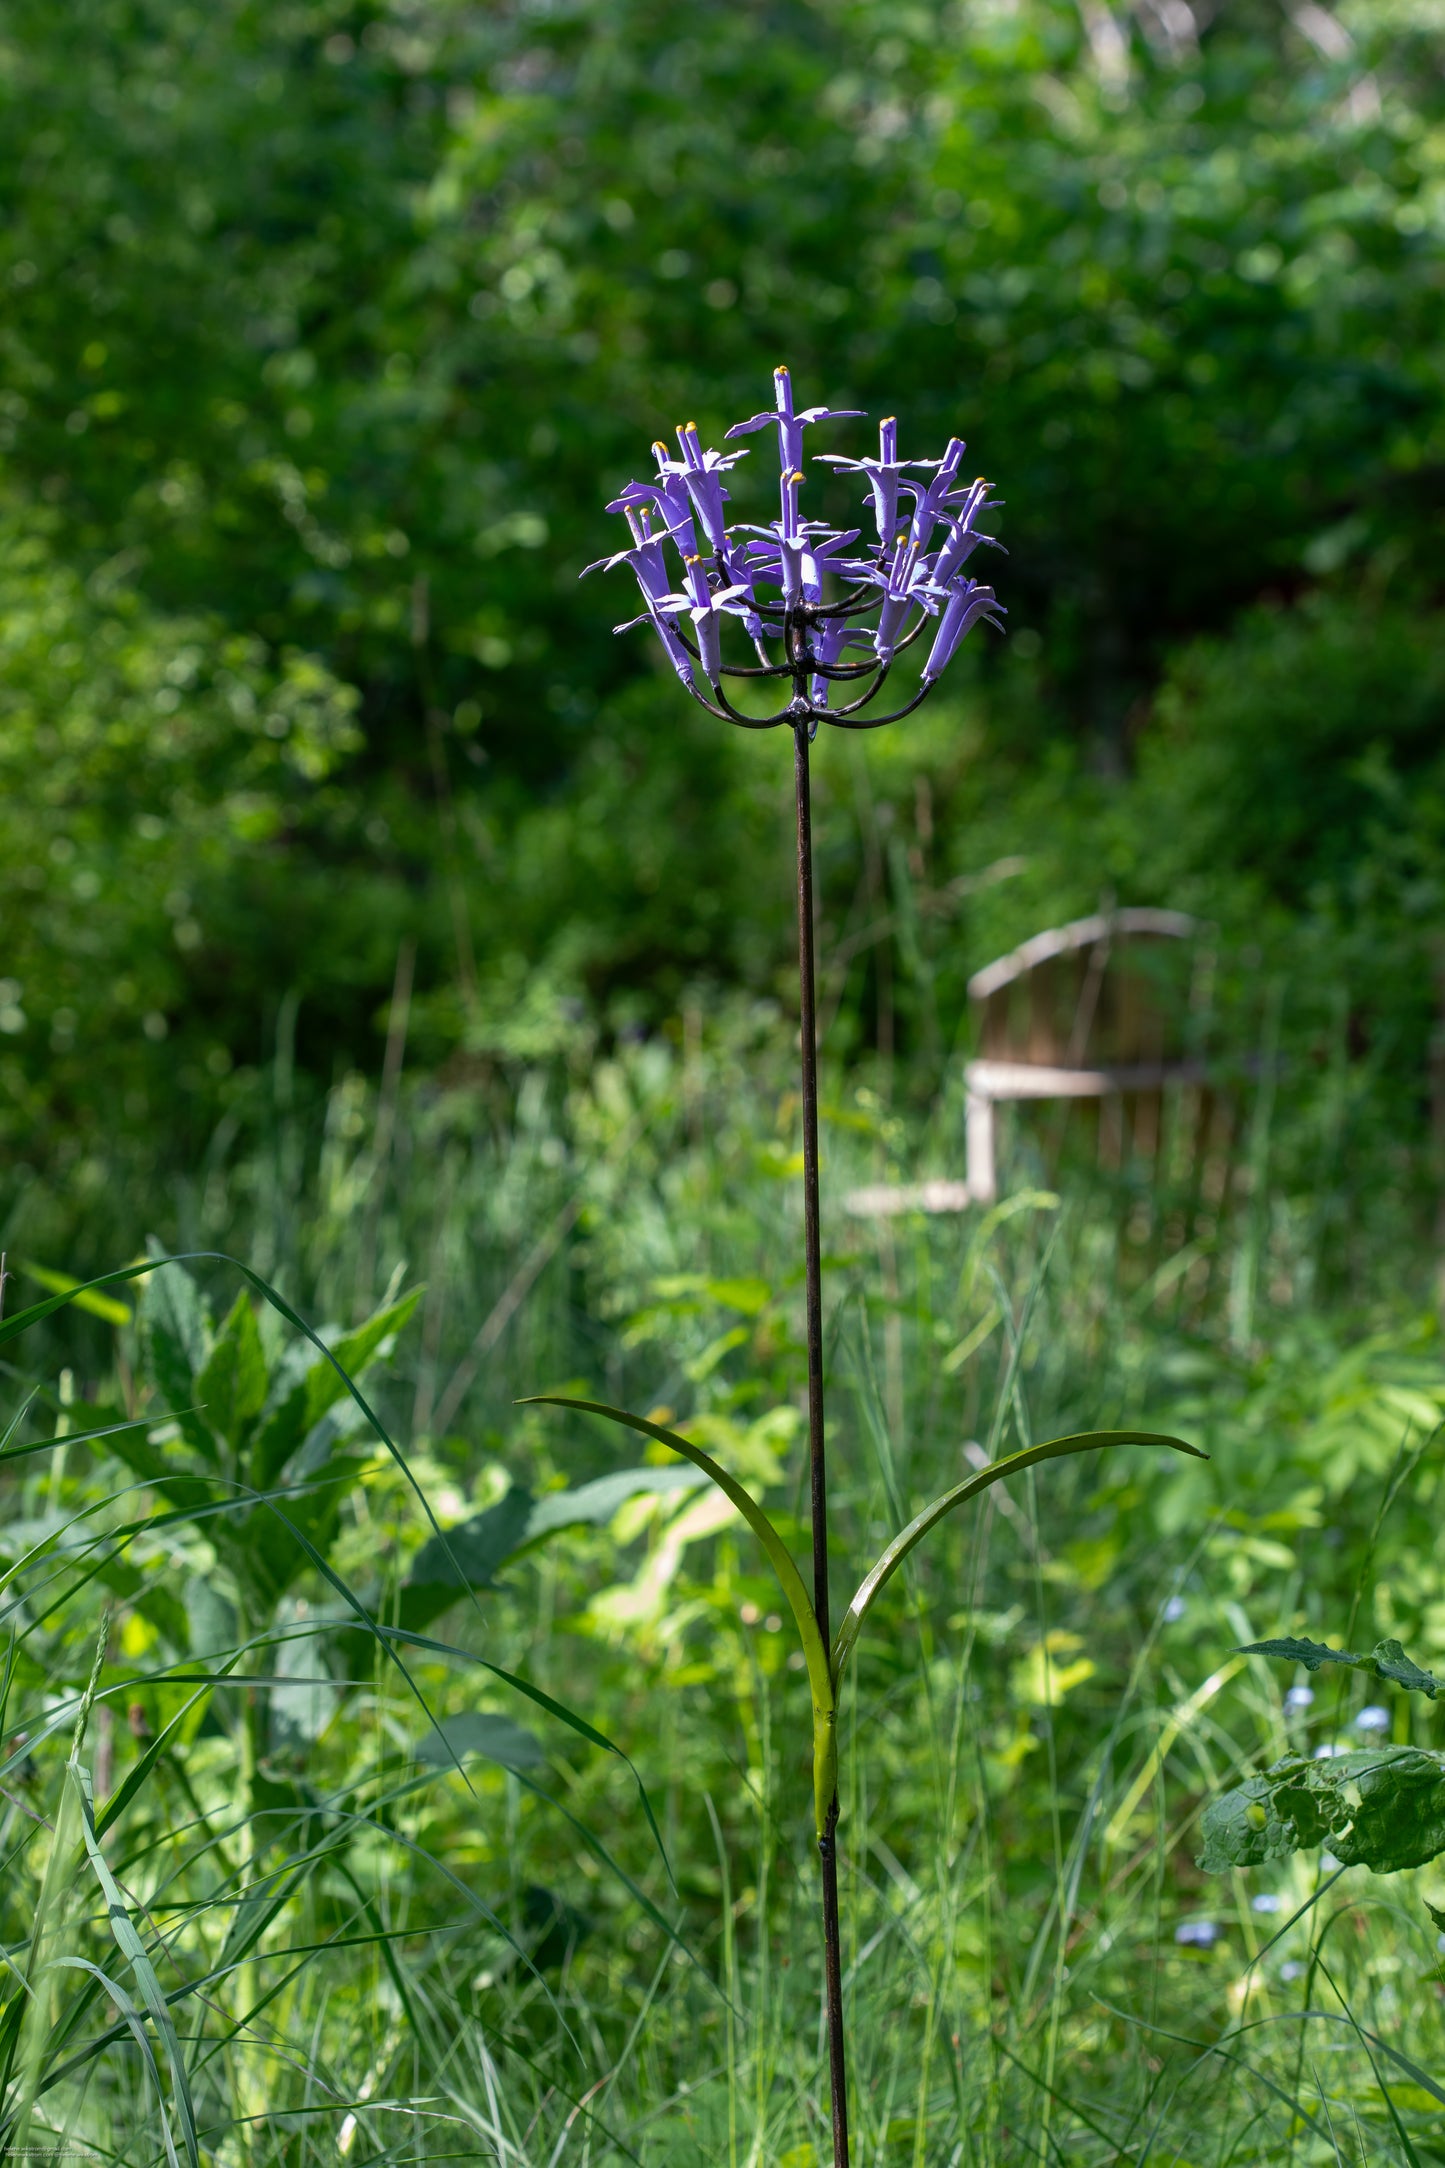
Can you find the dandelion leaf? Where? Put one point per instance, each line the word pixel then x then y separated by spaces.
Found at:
pixel 1378 1807
pixel 1387 1660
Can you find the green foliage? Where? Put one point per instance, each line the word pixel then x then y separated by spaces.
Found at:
pixel 1378 1807
pixel 1048 1666
pixel 1388 1662
pixel 443 272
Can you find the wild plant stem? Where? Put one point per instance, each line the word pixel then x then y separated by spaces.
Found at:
pixel 817 1467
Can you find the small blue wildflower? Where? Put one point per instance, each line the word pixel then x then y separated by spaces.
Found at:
pixel 1292 1969
pixel 1266 1901
pixel 1174 1610
pixel 1299 1697
pixel 1197 1934
pixel 1373 1720
pixel 1329 1750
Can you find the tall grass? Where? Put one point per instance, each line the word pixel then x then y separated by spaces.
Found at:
pixel 391 1958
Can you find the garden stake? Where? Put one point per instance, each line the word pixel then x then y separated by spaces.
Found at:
pixel 891 589
pixel 817 1464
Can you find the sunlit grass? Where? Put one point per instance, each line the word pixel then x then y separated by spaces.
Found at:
pixel 387 1959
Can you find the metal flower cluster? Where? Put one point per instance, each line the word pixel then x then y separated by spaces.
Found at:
pixel 771 578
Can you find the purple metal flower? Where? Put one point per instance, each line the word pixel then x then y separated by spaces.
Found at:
pixel 799 582
pixel 967 603
pixel 700 473
pixel 882 476
pixel 790 426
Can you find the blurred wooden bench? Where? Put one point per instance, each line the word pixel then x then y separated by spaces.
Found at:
pixel 1093 1011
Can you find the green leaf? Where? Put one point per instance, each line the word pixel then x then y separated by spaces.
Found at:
pixel 497 1738
pixel 466 1557
pixel 1380 1807
pixel 147 1595
pixel 1387 1661
pixel 285 1530
pixel 471 1555
pixel 820 1676
pixel 597 1503
pixel 133 1949
pixel 175 1337
pixel 874 1582
pixel 132 1446
pixel 303 1399
pixel 84 1297
pixel 230 1388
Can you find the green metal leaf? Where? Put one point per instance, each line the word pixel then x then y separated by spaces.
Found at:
pixel 1378 1807
pixel 1387 1661
pixel 820 1677
pixel 878 1577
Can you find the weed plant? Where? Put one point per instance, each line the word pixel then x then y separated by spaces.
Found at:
pixel 414 1961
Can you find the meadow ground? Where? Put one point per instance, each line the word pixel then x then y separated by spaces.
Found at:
pixel 373 1954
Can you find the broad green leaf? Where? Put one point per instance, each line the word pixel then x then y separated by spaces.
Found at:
pixel 471 1555
pixel 597 1503
pixel 1378 1807
pixel 466 1557
pixel 304 1699
pixel 230 1387
pixel 132 1445
pixel 1387 1661
pixel 145 1594
pixel 473 1731
pixel 820 1676
pixel 176 1339
pixel 210 1618
pixel 21 1320
pixel 874 1582
pixel 311 1382
pixel 273 1543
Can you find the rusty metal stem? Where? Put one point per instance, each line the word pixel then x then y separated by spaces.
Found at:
pixel 817 1468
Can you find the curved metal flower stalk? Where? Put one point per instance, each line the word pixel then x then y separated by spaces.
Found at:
pixel 771 589
pixel 826 1666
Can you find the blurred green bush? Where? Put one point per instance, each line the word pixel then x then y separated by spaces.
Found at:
pixel 329 328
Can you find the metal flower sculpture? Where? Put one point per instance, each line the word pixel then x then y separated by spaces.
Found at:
pixel 771 578
pixel 774 581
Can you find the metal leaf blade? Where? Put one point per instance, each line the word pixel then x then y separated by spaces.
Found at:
pixel 882 1572
pixel 820 1676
